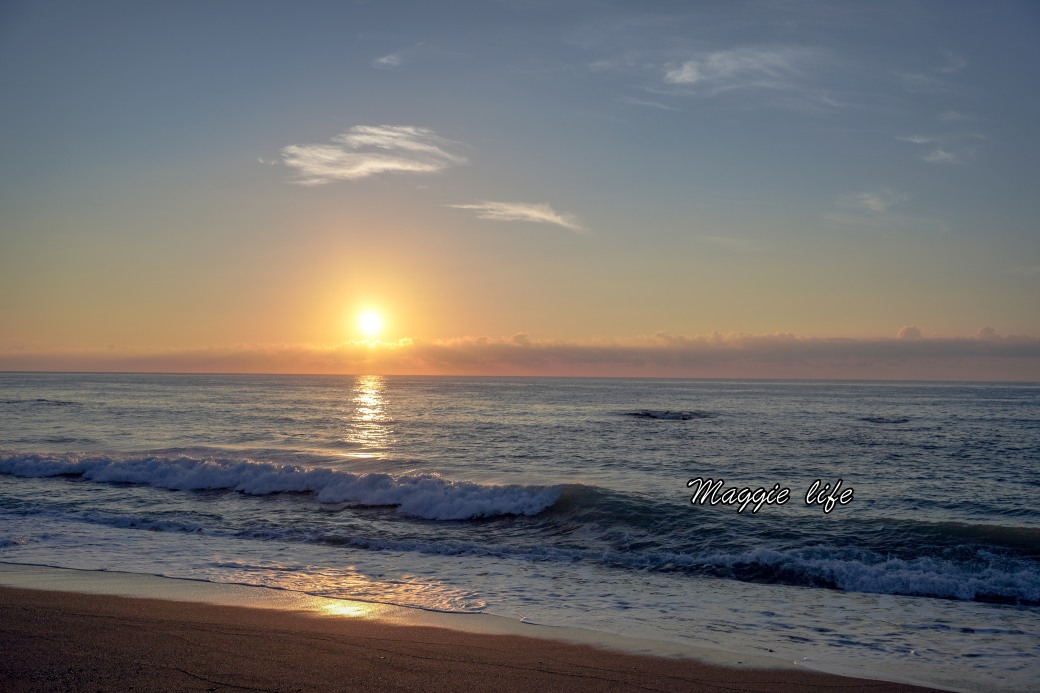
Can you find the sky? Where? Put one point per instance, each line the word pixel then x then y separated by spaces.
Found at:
pixel 768 189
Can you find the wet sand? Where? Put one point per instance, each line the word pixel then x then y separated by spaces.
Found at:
pixel 65 641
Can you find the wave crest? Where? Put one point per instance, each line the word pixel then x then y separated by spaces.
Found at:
pixel 427 496
pixel 988 578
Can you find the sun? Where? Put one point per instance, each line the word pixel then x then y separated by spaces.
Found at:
pixel 371 323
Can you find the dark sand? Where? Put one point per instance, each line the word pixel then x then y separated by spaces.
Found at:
pixel 63 641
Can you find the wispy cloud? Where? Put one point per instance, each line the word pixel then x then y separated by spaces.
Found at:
pixel 790 75
pixel 947 148
pixel 388 62
pixel 367 150
pixel 954 63
pixel 917 139
pixel 648 104
pixel 941 156
pixel 880 211
pixel 876 201
pixel 777 67
pixel 953 116
pixel 936 79
pixel 920 82
pixel 692 53
pixel 740 66
pixel 523 211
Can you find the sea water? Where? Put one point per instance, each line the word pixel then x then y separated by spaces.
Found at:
pixel 565 502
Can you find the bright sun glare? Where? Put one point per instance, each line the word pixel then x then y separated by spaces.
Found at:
pixel 371 323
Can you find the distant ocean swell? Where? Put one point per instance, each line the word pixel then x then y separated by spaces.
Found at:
pixel 41 402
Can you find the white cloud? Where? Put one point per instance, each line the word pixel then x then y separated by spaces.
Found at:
pixel 917 139
pixel 877 201
pixel 388 62
pixel 789 73
pixel 941 156
pixel 778 67
pixel 367 150
pixel 687 73
pixel 948 148
pixel 523 211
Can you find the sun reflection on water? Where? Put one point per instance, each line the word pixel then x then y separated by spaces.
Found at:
pixel 369 423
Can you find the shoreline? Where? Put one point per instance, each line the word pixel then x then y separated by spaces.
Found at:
pixel 77 641
pixel 47 578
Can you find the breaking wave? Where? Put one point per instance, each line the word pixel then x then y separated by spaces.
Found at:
pixel 426 496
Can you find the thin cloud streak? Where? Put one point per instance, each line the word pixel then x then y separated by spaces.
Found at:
pixel 523 211
pixel 786 70
pixel 949 148
pixel 954 63
pixel 940 156
pixel 368 150
pixel 935 80
pixel 743 67
pixel 648 104
pixel 876 201
pixel 953 116
pixel 918 139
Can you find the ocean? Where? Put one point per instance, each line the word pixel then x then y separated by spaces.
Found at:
pixel 587 503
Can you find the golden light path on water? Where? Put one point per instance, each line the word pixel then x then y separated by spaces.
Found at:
pixel 368 424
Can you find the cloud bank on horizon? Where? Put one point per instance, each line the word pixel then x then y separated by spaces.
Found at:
pixel 985 356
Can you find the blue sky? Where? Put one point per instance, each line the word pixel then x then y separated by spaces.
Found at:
pixel 248 175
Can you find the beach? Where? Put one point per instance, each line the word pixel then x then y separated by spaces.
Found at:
pixel 79 642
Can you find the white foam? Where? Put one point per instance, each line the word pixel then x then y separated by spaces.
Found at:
pixel 924 575
pixel 427 496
